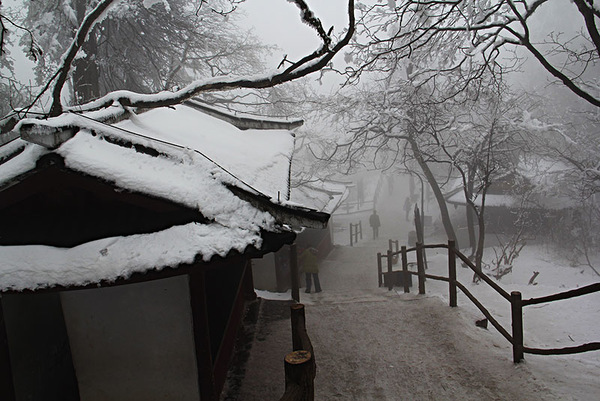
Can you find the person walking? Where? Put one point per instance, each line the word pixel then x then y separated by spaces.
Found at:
pixel 375 223
pixel 310 267
pixel 407 205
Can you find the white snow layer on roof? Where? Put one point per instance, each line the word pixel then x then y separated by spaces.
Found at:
pixel 37 266
pixel 260 158
pixel 185 175
pixel 22 163
pixel 324 196
pixel 514 201
pixel 189 181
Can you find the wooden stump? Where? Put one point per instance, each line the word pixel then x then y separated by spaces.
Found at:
pixel 299 376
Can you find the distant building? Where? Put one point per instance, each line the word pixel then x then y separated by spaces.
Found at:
pixel 537 187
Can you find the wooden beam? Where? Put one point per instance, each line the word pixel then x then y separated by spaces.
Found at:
pixel 204 362
pixel 7 389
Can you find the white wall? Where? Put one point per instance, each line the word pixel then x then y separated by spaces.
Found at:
pixel 263 273
pixel 133 342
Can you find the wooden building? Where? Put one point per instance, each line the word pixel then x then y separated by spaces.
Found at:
pixel 125 249
pixel 272 273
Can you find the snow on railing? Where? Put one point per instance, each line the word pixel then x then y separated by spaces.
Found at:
pixel 404 278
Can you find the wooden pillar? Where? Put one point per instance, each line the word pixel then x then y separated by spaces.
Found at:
pixel 389 270
pixel 200 322
pixel 7 390
pixel 379 269
pixel 294 272
pixel 420 268
pixel 297 319
pixel 360 228
pixel 249 293
pixel 42 365
pixel 351 238
pixel 516 303
pixel 406 274
pixel 452 272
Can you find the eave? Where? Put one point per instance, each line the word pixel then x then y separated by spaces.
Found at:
pixel 294 216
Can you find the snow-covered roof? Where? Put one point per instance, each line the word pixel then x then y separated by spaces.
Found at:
pixel 179 154
pixel 38 266
pixel 323 195
pixel 540 176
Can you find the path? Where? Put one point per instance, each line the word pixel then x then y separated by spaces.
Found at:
pixel 374 344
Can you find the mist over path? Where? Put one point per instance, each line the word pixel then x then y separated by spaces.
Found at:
pixel 375 344
pixel 380 346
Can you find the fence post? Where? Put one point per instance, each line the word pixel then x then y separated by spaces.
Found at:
pixel 516 306
pixel 360 228
pixel 389 263
pixel 405 269
pixel 298 319
pixel 294 273
pixel 420 268
pixel 379 271
pixel 452 272
pixel 351 243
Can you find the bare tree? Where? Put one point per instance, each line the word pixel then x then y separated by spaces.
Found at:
pixel 469 36
pixel 312 62
pixel 387 127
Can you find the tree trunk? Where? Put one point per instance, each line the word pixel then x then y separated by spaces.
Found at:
pixel 437 192
pixel 471 214
pixel 480 241
pixel 471 229
pixel 85 72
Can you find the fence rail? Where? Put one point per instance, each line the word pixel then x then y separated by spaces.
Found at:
pixel 355 232
pixel 515 297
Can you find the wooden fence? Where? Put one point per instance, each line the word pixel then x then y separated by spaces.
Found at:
pixel 355 232
pixel 300 366
pixel 515 298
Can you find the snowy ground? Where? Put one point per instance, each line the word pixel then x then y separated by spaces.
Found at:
pixel 374 344
pixel 554 325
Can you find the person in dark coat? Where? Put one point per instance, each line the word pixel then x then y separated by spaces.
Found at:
pixel 310 267
pixel 375 223
pixel 407 205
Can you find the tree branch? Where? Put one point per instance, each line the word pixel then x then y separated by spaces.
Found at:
pixel 311 63
pixel 63 71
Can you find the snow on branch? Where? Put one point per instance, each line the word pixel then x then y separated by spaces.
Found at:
pixel 310 63
pixel 311 20
pixel 62 73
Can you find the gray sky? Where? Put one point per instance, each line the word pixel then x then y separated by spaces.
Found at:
pixel 278 22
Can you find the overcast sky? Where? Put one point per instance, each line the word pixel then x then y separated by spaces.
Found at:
pixel 278 22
